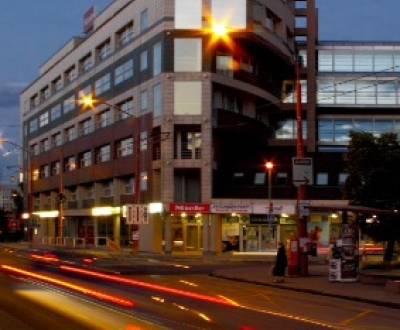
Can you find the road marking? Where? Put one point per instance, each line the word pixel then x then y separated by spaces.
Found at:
pixel 357 317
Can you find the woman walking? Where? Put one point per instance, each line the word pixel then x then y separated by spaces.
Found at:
pixel 280 264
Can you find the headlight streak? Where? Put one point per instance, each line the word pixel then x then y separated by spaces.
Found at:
pixel 95 294
pixel 145 285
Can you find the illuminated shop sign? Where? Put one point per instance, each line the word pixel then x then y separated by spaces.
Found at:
pixel 189 208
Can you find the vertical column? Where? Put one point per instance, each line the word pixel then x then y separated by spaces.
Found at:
pixel 206 234
pixel 95 230
pixel 167 235
pixel 117 230
pixel 215 233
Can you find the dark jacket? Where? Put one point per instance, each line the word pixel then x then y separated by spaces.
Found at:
pixel 280 263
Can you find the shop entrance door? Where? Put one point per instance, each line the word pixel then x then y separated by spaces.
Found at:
pixel 258 238
pixel 193 237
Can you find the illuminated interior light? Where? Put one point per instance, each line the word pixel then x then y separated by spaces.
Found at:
pixel 47 214
pixel 25 216
pixel 145 285
pixel 105 211
pixel 155 208
pixel 70 286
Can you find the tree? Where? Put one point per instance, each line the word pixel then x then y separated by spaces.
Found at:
pixel 374 181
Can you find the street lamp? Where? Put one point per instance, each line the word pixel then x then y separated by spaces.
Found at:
pixel 270 166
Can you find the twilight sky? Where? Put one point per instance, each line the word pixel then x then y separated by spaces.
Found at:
pixel 32 30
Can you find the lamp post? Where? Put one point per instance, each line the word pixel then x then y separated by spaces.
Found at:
pixel 270 166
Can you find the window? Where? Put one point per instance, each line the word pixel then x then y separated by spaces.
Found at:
pixel 69 104
pixel 86 126
pixel 143 181
pixel 70 164
pixel 326 92
pixel 188 14
pixel 322 179
pixel 57 84
pixel 387 92
pixel 33 125
pixel 259 179
pixel 384 62
pixel 346 92
pixel 144 60
pixel 86 63
pixel 123 72
pixel 343 178
pixel 55 112
pixel 104 154
pixel 366 92
pixel 235 17
pixel 343 62
pixel 144 20
pixel 35 149
pixel 144 101
pixel 35 101
pixel 71 74
pixel 103 84
pixel 287 130
pixel 129 186
pixel 108 189
pixel 383 126
pixel 225 65
pixel 281 178
pixel 44 172
pixel 44 119
pixel 127 109
pixel 70 133
pixel 86 159
pixel 157 59
pixel 125 35
pixel 188 55
pixel 187 98
pixel 143 141
pixel 45 145
pixel 125 147
pixel 55 168
pixel 325 61
pixel 45 93
pixel 157 100
pixel 363 62
pixel 85 91
pixel 56 139
pixel 105 118
pixel 104 50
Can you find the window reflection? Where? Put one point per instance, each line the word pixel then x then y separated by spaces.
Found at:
pixel 188 14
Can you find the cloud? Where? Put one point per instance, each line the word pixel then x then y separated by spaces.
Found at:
pixel 9 94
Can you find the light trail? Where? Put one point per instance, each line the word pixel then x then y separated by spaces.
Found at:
pixel 95 294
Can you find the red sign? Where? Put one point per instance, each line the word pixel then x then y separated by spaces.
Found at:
pixel 88 20
pixel 189 208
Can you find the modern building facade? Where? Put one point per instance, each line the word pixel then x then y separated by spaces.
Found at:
pixel 202 110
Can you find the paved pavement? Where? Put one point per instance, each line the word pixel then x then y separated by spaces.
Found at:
pixel 317 283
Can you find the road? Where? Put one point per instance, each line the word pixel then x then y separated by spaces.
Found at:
pixel 48 296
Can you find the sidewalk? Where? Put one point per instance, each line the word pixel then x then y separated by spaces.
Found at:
pixel 317 284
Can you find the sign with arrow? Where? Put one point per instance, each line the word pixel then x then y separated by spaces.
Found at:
pixel 302 171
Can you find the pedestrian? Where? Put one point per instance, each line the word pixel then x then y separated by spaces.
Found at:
pixel 280 264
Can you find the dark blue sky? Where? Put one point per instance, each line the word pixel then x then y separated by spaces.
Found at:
pixel 32 30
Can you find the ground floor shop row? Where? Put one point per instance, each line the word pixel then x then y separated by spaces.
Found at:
pixel 186 231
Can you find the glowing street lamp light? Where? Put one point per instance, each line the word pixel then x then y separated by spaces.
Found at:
pixel 270 166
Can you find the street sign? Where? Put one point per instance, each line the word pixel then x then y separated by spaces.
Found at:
pixel 304 208
pixel 137 214
pixel 302 171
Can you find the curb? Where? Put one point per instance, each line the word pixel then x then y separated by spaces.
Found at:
pixel 313 292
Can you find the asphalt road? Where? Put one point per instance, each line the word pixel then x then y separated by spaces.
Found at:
pixel 198 302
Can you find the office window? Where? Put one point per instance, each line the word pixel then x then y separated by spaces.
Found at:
pixel 33 125
pixel 325 130
pixel 86 159
pixel 342 130
pixel 55 112
pixel 143 141
pixel 123 72
pixel 45 93
pixel 343 62
pixel 387 92
pixel 70 164
pixel 366 92
pixel 144 101
pixel 259 178
pixel 157 59
pixel 86 126
pixel 225 65
pixel 104 50
pixel 346 92
pixel 363 62
pixel 322 179
pixel 144 60
pixel 326 92
pixel 35 149
pixel 44 119
pixel 382 126
pixel 187 98
pixel 287 130
pixel 342 178
pixel 108 189
pixel 70 133
pixel 125 147
pixel 157 100
pixel 55 168
pixel 57 84
pixel 127 109
pixel 188 14
pixel 103 84
pixel 69 104
pixel 187 55
pixel 57 139
pixel 143 181
pixel 129 186
pixel 44 171
pixel 85 91
pixel 104 154
pixel 231 13
pixel 126 34
pixel 45 145
pixel 325 61
pixel 105 118
pixel 384 62
pixel 144 20
pixel 87 62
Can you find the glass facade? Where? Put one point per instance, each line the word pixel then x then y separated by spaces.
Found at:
pixel 188 14
pixel 230 13
pixel 188 55
pixel 287 130
pixel 337 130
pixel 187 98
